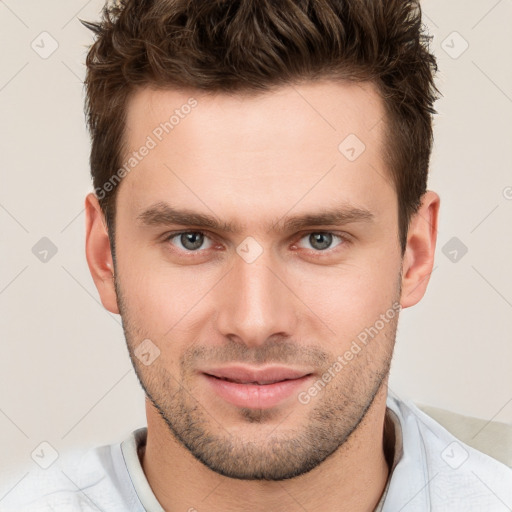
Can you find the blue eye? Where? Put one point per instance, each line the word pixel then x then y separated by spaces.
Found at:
pixel 190 241
pixel 194 241
pixel 322 240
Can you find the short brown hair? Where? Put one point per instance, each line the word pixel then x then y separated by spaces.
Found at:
pixel 256 45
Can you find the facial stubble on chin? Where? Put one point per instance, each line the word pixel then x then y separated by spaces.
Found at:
pixel 333 416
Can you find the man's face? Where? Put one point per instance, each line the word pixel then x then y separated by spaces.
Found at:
pixel 267 293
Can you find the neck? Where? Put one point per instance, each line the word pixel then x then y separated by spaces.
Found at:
pixel 352 479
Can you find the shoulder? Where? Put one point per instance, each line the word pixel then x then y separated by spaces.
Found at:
pixel 80 480
pixel 439 471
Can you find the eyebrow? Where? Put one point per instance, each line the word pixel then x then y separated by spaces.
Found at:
pixel 163 214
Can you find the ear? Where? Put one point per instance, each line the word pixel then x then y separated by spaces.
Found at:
pixel 97 250
pixel 419 253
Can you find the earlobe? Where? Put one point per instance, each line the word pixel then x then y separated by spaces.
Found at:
pixel 418 259
pixel 98 254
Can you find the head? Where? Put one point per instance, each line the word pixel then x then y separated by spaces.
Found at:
pixel 289 143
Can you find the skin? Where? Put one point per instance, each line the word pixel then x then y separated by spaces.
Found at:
pixel 257 160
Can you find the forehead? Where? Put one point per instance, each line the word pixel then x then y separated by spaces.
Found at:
pixel 266 147
pixel 330 108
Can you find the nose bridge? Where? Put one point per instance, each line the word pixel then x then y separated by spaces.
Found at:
pixel 256 302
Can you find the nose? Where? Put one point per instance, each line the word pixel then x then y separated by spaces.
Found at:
pixel 255 302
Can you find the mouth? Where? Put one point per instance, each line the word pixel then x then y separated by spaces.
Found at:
pixel 250 375
pixel 258 382
pixel 256 388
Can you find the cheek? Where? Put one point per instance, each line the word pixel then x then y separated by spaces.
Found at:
pixel 352 297
pixel 162 298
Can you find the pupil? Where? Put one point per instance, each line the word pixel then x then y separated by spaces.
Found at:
pixel 192 241
pixel 318 237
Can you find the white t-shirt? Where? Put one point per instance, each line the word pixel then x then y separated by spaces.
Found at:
pixel 431 471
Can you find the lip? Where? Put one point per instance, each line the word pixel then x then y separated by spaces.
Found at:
pixel 255 388
pixel 246 375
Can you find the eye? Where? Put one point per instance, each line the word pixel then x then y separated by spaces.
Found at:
pixel 194 241
pixel 322 240
pixel 189 241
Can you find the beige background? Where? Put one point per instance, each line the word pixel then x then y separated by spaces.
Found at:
pixel 65 375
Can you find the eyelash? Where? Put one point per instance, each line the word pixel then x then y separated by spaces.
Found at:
pixel 345 240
